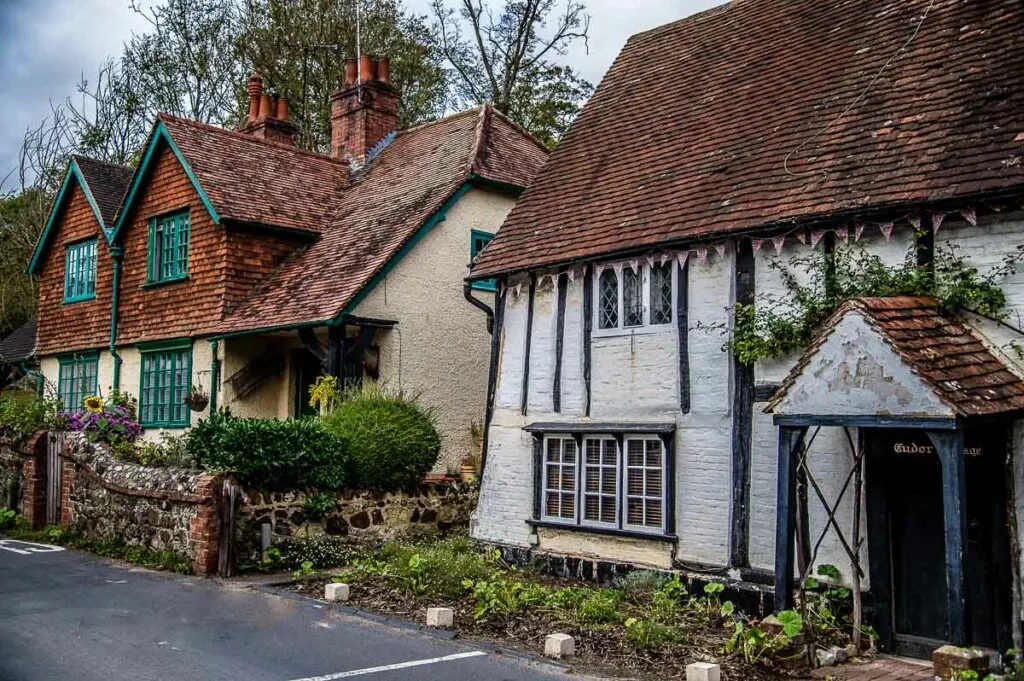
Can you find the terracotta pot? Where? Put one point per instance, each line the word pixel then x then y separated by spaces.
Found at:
pixel 467 472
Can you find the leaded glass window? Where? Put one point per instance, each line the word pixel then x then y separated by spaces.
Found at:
pixel 632 296
pixel 661 294
pixel 608 309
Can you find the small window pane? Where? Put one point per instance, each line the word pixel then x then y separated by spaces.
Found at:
pixel 168 247
pixel 661 294
pixel 600 497
pixel 633 296
pixel 645 483
pixel 80 271
pixel 76 380
pixel 560 478
pixel 166 381
pixel 608 300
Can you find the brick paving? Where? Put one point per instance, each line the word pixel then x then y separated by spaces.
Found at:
pixel 878 669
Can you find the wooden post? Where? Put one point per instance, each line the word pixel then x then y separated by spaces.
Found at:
pixel 785 515
pixel 949 444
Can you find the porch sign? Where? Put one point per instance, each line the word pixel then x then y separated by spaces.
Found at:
pixel 902 447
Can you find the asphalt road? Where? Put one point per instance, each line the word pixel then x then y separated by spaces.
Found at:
pixel 67 615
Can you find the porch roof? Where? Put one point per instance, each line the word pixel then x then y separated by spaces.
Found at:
pixel 898 357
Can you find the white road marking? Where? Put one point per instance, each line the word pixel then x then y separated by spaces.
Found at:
pixel 392 667
pixel 29 547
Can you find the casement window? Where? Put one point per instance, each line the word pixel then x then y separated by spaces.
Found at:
pixel 76 379
pixel 477 241
pixel 617 483
pixel 630 298
pixel 80 271
pixel 166 382
pixel 168 248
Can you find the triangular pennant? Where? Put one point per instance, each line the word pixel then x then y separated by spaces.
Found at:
pixel 937 219
pixel 634 265
pixel 858 230
pixel 702 255
pixel 755 244
pixel 650 261
pixel 720 249
pixel 681 256
pixel 545 281
pixel 801 235
pixel 618 270
pixel 970 215
pixel 886 228
pixel 571 274
pixel 662 258
pixel 778 242
pixel 914 219
pixel 516 290
pixel 816 236
pixel 842 232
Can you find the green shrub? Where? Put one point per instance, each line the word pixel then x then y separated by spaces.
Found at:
pixel 22 414
pixel 646 633
pixel 601 607
pixel 640 584
pixel 438 568
pixel 321 553
pixel 270 453
pixel 392 440
pixel 169 451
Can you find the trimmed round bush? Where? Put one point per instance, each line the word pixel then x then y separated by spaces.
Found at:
pixel 392 442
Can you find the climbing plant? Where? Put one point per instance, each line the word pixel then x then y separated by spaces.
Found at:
pixel 815 285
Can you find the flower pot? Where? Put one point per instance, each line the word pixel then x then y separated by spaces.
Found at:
pixel 467 472
pixel 197 402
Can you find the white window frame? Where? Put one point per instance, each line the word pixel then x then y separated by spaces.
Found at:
pixel 623 484
pixel 544 480
pixel 617 467
pixel 645 285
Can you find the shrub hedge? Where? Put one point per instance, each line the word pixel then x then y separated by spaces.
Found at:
pixel 392 442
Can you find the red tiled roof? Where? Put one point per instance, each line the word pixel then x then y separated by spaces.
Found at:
pixel 258 181
pixel 937 347
pixel 107 183
pixel 687 135
pixel 382 209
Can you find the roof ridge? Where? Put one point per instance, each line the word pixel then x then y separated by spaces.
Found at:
pixel 479 148
pixel 523 131
pixel 166 117
pixel 91 159
pixel 443 119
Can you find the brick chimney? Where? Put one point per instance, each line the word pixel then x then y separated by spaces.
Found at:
pixel 268 115
pixel 364 110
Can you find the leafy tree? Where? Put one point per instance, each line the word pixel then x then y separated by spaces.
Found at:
pixel 300 46
pixel 506 59
pixel 19 219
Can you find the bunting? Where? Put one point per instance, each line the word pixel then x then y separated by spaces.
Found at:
pixel 778 241
pixel 915 220
pixel 886 229
pixel 970 215
pixel 816 236
pixel 842 233
pixel 702 256
pixel 858 230
pixel 681 256
pixel 720 249
pixel 650 261
pixel 801 235
pixel 937 219
pixel 634 265
pixel 755 244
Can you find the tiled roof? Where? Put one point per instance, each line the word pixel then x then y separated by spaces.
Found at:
pixel 688 134
pixel 258 181
pixel 938 347
pixel 20 344
pixel 107 183
pixel 387 202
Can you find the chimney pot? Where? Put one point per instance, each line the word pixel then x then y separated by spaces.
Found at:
pixel 265 106
pixel 384 70
pixel 351 67
pixel 255 90
pixel 282 109
pixel 365 68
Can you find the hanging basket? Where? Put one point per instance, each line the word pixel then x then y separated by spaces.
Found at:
pixel 197 402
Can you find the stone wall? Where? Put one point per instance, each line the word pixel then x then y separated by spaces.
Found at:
pixel 152 508
pixel 23 478
pixel 359 514
pixel 12 476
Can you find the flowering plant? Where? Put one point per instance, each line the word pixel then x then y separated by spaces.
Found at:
pixel 111 425
pixel 93 403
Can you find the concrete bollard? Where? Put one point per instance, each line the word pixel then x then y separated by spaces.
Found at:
pixel 336 592
pixel 559 646
pixel 441 618
pixel 703 671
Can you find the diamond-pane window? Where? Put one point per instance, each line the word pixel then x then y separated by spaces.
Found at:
pixel 661 294
pixel 168 247
pixel 560 466
pixel 166 382
pixel 608 316
pixel 633 296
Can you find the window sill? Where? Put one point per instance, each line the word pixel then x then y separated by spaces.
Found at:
pixel 164 282
pixel 648 330
pixel 165 426
pixel 608 531
pixel 72 301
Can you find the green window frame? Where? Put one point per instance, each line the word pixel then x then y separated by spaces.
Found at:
pixel 477 240
pixel 77 378
pixel 80 271
pixel 165 383
pixel 168 248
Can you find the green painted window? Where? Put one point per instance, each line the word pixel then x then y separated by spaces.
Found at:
pixel 477 241
pixel 77 379
pixel 166 382
pixel 168 247
pixel 80 271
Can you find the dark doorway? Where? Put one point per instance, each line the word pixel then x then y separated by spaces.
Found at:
pixel 307 368
pixel 907 541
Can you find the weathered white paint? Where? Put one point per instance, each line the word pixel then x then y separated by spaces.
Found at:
pixel 573 385
pixel 854 372
pixel 601 547
pixel 513 346
pixel 542 347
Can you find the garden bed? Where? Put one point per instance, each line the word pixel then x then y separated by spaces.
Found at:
pixel 645 627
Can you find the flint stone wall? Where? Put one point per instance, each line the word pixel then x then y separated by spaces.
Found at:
pixel 12 476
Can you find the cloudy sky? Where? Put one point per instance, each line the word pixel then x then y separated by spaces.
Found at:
pixel 47 45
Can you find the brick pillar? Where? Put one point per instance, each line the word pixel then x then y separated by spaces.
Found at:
pixel 205 527
pixel 67 482
pixel 33 504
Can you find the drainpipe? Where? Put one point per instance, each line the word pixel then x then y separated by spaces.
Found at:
pixel 214 374
pixel 118 254
pixel 467 291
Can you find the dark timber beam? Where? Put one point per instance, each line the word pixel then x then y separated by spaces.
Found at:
pixel 588 322
pixel 742 420
pixel 682 330
pixel 785 515
pixel 525 398
pixel 949 445
pixel 556 388
pixel 492 372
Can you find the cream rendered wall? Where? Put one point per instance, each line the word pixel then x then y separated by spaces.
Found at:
pixel 49 367
pixel 440 348
pixel 274 398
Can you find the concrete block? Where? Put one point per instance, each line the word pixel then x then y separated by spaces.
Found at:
pixel 559 646
pixel 441 618
pixel 336 592
pixel 949 660
pixel 703 671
